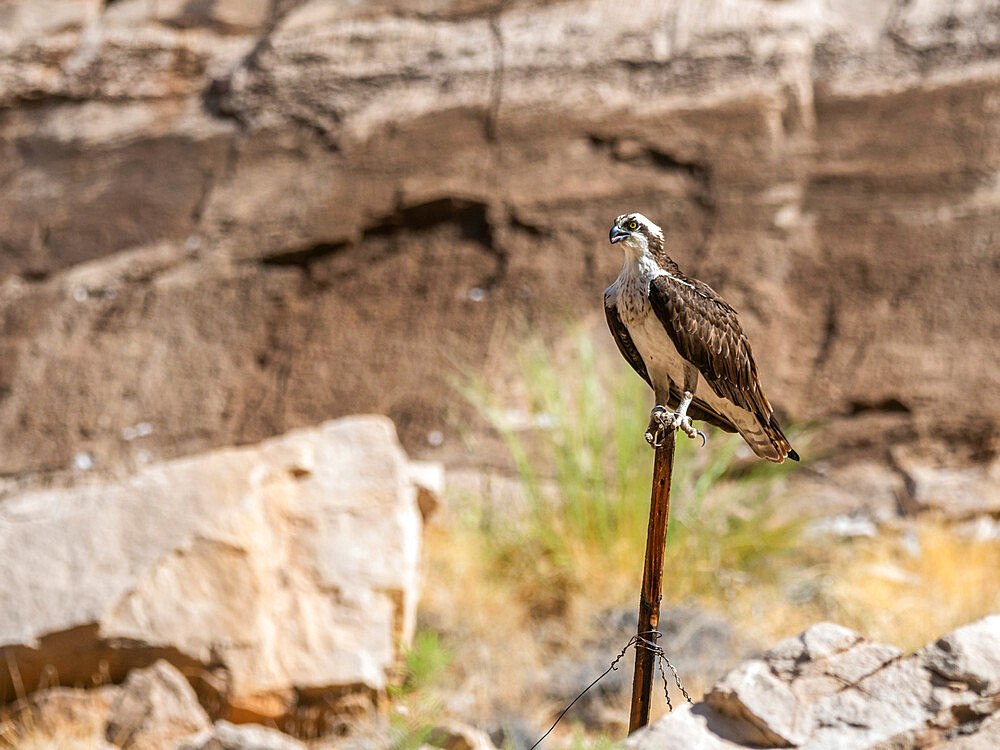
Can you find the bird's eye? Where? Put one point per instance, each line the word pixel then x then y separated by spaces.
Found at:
pixel 633 225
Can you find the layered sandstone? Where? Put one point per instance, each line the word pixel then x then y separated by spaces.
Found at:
pixel 223 220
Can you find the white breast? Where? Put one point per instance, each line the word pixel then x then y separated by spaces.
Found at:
pixel 663 362
pixel 630 293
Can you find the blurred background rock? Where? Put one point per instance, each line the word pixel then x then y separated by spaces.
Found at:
pixel 222 220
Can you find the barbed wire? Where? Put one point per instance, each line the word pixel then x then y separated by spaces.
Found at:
pixel 650 644
pixel 646 640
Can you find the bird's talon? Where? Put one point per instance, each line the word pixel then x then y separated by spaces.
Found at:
pixel 689 429
pixel 658 425
pixel 662 420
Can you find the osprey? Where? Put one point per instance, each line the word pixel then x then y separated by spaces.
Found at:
pixel 685 341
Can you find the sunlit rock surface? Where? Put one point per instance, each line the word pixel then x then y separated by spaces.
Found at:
pixel 155 708
pixel 831 688
pixel 276 577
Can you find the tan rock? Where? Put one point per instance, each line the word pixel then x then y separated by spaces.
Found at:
pixel 828 652
pixel 226 736
pixel 970 655
pixel 30 18
pixel 687 727
pixel 830 689
pixel 868 489
pixel 957 493
pixel 428 478
pixel 289 566
pixel 457 736
pixel 226 15
pixel 155 710
pixel 767 708
pixel 894 705
pixel 985 737
pixel 776 695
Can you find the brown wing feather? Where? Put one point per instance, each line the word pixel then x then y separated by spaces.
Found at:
pixel 707 333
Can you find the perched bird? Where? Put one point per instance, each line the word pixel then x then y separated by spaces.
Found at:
pixel 685 341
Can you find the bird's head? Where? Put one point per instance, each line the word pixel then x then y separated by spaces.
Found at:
pixel 639 234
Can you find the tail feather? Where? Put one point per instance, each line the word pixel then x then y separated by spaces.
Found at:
pixel 779 436
pixel 766 441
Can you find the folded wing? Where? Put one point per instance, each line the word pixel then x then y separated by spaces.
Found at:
pixel 707 333
pixel 619 332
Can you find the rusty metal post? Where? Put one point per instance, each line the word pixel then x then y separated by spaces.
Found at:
pixel 652 580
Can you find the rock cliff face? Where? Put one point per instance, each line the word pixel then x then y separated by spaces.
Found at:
pixel 225 219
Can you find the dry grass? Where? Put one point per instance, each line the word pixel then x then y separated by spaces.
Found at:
pixel 63 738
pixel 910 588
pixel 55 716
pixel 29 732
pixel 905 587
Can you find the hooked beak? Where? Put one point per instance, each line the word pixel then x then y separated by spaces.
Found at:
pixel 618 234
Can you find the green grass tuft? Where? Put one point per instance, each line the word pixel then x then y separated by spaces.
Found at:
pixel 417 709
pixel 576 440
pixel 426 660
